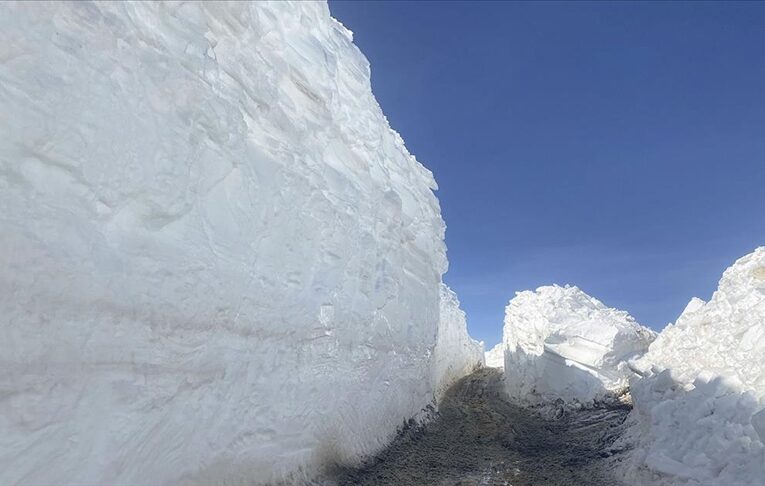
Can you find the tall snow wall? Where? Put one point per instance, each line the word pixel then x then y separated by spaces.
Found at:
pixel 218 263
pixel 560 343
pixel 456 354
pixel 700 409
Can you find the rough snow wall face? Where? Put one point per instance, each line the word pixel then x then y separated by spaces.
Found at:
pixel 725 336
pixel 456 354
pixel 699 411
pixel 560 343
pixel 216 258
pixel 495 357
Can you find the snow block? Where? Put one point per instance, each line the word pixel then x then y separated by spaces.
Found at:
pixel 218 263
pixel 560 343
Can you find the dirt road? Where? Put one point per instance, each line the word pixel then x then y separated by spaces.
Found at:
pixel 481 439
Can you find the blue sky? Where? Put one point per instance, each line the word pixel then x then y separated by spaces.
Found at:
pixel 619 147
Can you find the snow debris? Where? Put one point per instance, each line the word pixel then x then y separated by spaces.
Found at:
pixel 560 343
pixel 218 262
pixel 700 412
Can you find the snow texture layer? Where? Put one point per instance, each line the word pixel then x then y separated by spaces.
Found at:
pixel 456 354
pixel 699 413
pixel 560 343
pixel 218 263
pixel 495 357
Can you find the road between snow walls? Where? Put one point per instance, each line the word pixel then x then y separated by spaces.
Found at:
pixel 560 415
pixel 220 265
pixel 480 437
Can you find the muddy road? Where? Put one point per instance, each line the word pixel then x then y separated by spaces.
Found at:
pixel 479 438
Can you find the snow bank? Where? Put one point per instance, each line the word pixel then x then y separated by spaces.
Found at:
pixel 560 343
pixel 698 413
pixel 495 357
pixel 217 261
pixel 456 354
pixel 725 336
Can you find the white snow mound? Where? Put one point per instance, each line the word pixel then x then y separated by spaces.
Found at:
pixel 495 357
pixel 218 263
pixel 700 412
pixel 560 343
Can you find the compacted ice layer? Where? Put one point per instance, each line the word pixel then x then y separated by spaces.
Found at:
pixel 560 343
pixel 217 260
pixel 699 411
pixel 495 357
pixel 456 354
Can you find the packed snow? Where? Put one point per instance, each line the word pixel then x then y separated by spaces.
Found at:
pixel 560 343
pixel 495 357
pixel 456 354
pixel 700 410
pixel 218 263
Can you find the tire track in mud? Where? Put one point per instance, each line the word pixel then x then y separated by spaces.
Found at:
pixel 479 438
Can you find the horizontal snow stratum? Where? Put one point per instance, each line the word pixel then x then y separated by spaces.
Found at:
pixel 217 260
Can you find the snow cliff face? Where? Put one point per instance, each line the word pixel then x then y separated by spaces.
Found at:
pixel 456 354
pixel 495 357
pixel 725 336
pixel 560 343
pixel 699 411
pixel 217 260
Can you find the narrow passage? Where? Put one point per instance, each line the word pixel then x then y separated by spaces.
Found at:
pixel 479 438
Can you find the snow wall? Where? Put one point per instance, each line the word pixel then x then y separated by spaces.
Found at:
pixel 698 416
pixel 560 343
pixel 218 263
pixel 456 354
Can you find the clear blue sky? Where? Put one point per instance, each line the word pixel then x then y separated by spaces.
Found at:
pixel 619 147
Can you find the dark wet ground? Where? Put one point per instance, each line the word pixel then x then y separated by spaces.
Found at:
pixel 479 438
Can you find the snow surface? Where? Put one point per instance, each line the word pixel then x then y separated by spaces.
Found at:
pixel 456 354
pixel 218 263
pixel 495 357
pixel 560 343
pixel 700 410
